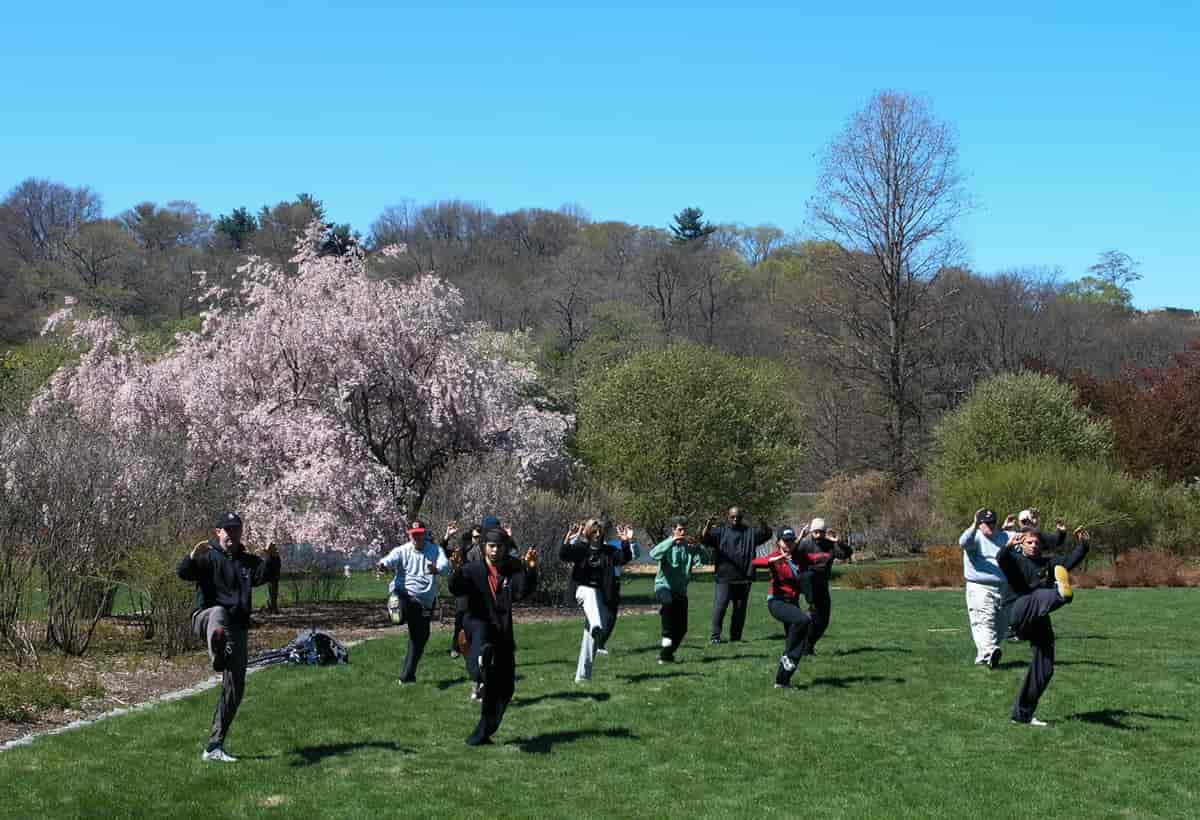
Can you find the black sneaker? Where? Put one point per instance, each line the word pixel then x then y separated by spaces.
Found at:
pixel 993 661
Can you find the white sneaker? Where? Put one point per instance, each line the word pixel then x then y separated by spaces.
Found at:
pixel 220 755
pixel 1032 722
pixel 787 663
pixel 601 651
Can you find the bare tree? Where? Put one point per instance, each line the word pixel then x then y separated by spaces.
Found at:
pixel 889 194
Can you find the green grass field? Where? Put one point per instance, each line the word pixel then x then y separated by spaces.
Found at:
pixel 891 720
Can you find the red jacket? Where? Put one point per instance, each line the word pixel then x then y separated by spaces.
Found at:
pixel 785 584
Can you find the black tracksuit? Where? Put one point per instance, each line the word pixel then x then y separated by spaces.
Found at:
pixel 226 581
pixel 733 548
pixel 1032 597
pixel 817 555
pixel 492 656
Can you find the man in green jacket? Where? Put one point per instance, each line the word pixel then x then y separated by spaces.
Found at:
pixel 677 556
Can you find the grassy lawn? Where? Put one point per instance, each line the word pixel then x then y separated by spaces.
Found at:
pixel 891 720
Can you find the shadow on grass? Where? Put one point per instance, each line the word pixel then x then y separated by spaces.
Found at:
pixel 599 697
pixel 1115 718
pixel 1057 663
pixel 311 755
pixel 645 676
pixel 544 744
pixel 450 683
pixel 854 680
pixel 859 650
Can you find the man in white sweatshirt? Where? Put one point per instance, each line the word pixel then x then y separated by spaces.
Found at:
pixel 413 590
pixel 986 586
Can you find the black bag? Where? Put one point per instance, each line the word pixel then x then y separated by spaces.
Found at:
pixel 311 647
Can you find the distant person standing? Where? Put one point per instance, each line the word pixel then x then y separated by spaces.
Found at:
pixel 413 590
pixel 677 557
pixel 986 585
pixel 224 574
pixel 491 587
pixel 733 547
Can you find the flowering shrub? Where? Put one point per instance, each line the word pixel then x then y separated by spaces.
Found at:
pixel 329 399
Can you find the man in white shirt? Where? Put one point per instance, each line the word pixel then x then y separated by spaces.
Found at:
pixel 413 590
pixel 986 586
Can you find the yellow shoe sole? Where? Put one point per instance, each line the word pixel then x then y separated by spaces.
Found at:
pixel 1062 580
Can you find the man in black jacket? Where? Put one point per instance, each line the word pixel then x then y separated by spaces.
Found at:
pixel 490 588
pixel 224 574
pixel 733 548
pixel 1039 583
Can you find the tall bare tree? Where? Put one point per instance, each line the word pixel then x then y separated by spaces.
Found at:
pixel 889 193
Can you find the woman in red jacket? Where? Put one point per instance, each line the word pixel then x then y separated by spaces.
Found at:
pixel 787 585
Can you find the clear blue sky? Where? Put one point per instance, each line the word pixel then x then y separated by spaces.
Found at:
pixel 1079 122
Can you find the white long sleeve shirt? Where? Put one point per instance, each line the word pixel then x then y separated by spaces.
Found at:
pixel 411 566
pixel 980 563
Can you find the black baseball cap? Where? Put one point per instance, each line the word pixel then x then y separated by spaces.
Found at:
pixel 987 517
pixel 493 537
pixel 228 520
pixel 787 534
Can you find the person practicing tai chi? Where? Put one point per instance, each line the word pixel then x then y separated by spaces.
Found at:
pixel 592 572
pixel 413 590
pixel 1039 583
pixel 224 574
pixel 783 602
pixel 471 548
pixel 635 550
pixel 491 587
pixel 677 556
pixel 816 551
pixel 733 548
pixel 986 586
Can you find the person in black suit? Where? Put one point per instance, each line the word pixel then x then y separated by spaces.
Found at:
pixel 490 587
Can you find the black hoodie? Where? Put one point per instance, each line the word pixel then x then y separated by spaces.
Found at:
pixel 223 579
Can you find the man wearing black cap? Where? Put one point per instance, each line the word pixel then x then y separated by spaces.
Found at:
pixel 224 574
pixel 986 585
pixel 733 548
pixel 491 586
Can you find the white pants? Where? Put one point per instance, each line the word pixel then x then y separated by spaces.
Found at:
pixel 988 616
pixel 594 614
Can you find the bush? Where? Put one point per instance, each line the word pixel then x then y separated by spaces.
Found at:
pixel 315 577
pixel 162 604
pixel 24 694
pixel 854 504
pixel 1140 568
pixel 1121 512
pixel 687 431
pixel 940 567
pixel 1012 416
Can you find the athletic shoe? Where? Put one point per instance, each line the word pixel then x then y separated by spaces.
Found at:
pixel 787 663
pixel 601 651
pixel 454 653
pixel 221 650
pixel 783 686
pixel 1062 580
pixel 714 641
pixel 1031 722
pixel 582 680
pixel 666 643
pixel 406 681
pixel 993 661
pixel 218 755
pixel 477 693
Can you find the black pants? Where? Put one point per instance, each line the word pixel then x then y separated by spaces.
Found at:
pixel 816 585
pixel 460 613
pixel 797 623
pixel 1031 621
pixel 725 594
pixel 417 617
pixel 614 606
pixel 673 612
pixel 233 679
pixel 498 673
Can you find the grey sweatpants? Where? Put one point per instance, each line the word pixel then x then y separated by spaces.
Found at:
pixel 205 623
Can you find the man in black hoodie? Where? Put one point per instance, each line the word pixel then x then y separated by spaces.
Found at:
pixel 491 587
pixel 224 574
pixel 1039 583
pixel 733 547
pixel 816 550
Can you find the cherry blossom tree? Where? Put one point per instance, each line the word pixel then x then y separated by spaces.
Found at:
pixel 331 399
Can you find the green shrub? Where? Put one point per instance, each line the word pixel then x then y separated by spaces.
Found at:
pixel 23 695
pixel 161 603
pixel 1012 416
pixel 1121 512
pixel 687 431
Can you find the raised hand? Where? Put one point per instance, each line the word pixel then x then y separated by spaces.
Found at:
pixel 456 558
pixel 1082 534
pixel 451 530
pixel 1059 524
pixel 625 533
pixel 531 558
pixel 508 530
pixel 200 550
pixel 431 568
